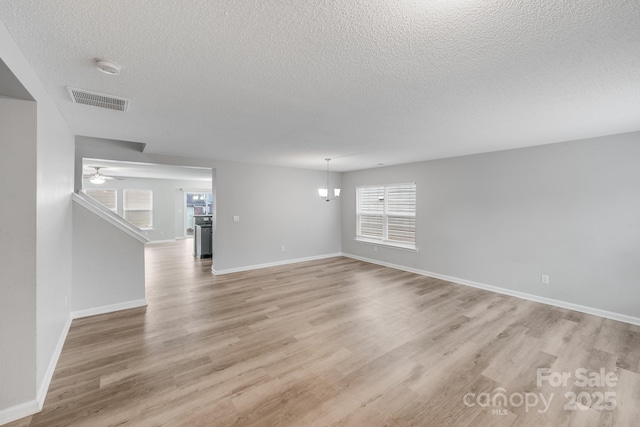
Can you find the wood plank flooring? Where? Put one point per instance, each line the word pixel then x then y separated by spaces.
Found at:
pixel 334 342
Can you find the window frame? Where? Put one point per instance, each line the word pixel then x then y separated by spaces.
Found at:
pixel 385 215
pixel 125 209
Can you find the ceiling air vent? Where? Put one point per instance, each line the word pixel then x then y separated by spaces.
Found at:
pixel 81 96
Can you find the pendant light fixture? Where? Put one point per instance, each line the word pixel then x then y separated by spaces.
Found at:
pixel 324 192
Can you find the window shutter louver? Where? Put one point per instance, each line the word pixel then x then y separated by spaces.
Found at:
pixel 138 207
pixel 371 226
pixel 104 196
pixel 402 230
pixel 370 211
pixel 401 210
pixel 401 200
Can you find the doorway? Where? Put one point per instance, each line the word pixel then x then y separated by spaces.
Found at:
pixel 196 204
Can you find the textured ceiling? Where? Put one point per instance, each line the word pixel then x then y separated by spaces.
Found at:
pixel 290 82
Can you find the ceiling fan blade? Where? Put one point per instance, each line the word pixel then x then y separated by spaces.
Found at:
pixel 100 174
pixel 105 177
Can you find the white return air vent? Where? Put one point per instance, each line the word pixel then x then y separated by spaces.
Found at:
pixel 81 96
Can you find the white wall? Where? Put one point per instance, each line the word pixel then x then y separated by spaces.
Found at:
pixel 570 210
pixel 166 192
pixel 108 264
pixel 54 181
pixel 277 206
pixel 17 252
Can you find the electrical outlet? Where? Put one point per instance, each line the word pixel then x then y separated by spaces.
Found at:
pixel 545 279
pixel 66 302
pixel 375 249
pixel 282 248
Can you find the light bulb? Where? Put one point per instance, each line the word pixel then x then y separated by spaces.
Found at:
pixel 97 179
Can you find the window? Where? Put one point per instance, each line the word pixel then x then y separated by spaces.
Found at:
pixel 107 197
pixel 138 207
pixel 386 214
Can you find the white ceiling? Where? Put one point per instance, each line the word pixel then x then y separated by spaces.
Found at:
pixel 290 82
pixel 145 170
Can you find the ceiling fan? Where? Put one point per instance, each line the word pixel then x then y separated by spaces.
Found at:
pixel 97 177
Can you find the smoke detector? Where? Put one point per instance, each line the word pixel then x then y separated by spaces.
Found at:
pixel 108 67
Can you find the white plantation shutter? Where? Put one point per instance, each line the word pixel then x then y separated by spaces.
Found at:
pixel 401 213
pixel 106 197
pixel 402 230
pixel 370 211
pixel 371 226
pixel 138 207
pixel 401 200
pixel 387 214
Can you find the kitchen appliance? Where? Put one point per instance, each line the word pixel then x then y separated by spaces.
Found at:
pixel 203 239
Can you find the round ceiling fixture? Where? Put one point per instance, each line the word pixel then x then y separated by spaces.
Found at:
pixel 108 67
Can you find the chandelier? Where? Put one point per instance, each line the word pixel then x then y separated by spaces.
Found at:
pixel 324 192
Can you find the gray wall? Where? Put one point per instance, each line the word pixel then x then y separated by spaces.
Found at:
pixel 277 206
pixel 17 252
pixel 570 210
pixel 55 185
pixel 168 200
pixel 51 205
pixel 179 226
pixel 108 264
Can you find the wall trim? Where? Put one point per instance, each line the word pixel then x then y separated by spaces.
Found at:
pixel 155 242
pixel 16 412
pixel 94 207
pixel 108 308
pixel 522 295
pixel 31 407
pixel 34 406
pixel 273 264
pixel 44 387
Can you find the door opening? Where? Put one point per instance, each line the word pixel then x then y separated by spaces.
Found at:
pixel 196 204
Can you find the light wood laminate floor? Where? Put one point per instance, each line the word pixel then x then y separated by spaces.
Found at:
pixel 334 342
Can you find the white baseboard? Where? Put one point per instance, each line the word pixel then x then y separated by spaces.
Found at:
pixel 44 387
pixel 155 242
pixel 272 264
pixel 19 411
pixel 108 308
pixel 34 406
pixel 549 301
